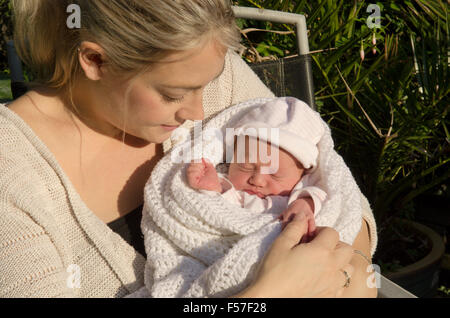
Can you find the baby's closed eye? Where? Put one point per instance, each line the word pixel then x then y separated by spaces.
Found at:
pixel 276 177
pixel 246 167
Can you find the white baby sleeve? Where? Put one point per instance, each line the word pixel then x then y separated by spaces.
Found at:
pixel 229 192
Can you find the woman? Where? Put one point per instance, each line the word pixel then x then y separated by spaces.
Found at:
pixel 76 151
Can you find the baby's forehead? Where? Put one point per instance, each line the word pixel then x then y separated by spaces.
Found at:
pixel 285 158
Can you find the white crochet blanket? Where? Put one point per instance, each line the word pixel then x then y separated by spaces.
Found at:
pixel 199 245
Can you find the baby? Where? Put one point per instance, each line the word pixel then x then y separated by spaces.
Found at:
pixel 251 184
pixel 198 243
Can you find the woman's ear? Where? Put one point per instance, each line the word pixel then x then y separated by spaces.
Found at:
pixel 92 59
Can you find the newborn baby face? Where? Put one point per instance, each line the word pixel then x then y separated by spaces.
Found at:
pixel 246 176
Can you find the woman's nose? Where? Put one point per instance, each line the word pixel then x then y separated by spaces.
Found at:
pixel 193 109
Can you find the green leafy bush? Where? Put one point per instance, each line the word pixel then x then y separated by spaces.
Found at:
pixel 387 106
pixel 5 33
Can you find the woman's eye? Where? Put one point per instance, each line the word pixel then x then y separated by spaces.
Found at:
pixel 172 99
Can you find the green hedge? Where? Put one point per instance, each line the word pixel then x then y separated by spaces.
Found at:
pixel 6 33
pixel 390 124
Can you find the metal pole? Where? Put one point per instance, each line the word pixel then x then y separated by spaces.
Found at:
pixel 280 17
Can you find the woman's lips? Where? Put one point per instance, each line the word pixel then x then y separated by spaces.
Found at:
pixel 169 128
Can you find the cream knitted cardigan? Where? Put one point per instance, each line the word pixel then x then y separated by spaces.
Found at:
pixel 47 233
pixel 201 245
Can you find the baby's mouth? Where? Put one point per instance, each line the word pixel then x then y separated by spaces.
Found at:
pixel 259 194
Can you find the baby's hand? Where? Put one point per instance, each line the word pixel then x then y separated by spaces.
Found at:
pixel 304 206
pixel 203 176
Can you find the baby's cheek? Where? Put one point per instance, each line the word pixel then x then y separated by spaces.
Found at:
pixel 237 179
pixel 279 188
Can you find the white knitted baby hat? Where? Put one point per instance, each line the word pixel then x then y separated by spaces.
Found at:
pixel 300 128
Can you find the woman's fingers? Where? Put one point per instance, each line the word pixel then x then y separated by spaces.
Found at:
pixel 293 232
pixel 347 269
pixel 343 254
pixel 343 279
pixel 317 269
pixel 326 237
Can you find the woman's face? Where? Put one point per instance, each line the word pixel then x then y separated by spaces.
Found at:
pixel 164 97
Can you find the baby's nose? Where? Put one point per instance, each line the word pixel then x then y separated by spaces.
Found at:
pixel 258 180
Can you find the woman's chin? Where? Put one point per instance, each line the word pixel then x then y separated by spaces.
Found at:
pixel 158 138
pixel 143 138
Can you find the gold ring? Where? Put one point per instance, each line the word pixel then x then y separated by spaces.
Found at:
pixel 347 278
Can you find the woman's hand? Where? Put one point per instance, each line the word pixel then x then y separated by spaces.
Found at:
pixel 311 269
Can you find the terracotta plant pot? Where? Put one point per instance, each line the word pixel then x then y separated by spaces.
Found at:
pixel 421 278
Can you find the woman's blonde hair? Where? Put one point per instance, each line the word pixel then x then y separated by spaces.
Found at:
pixel 133 33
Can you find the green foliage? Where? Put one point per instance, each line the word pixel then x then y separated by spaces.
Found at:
pixel 5 33
pixel 444 290
pixel 388 111
pixel 5 90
